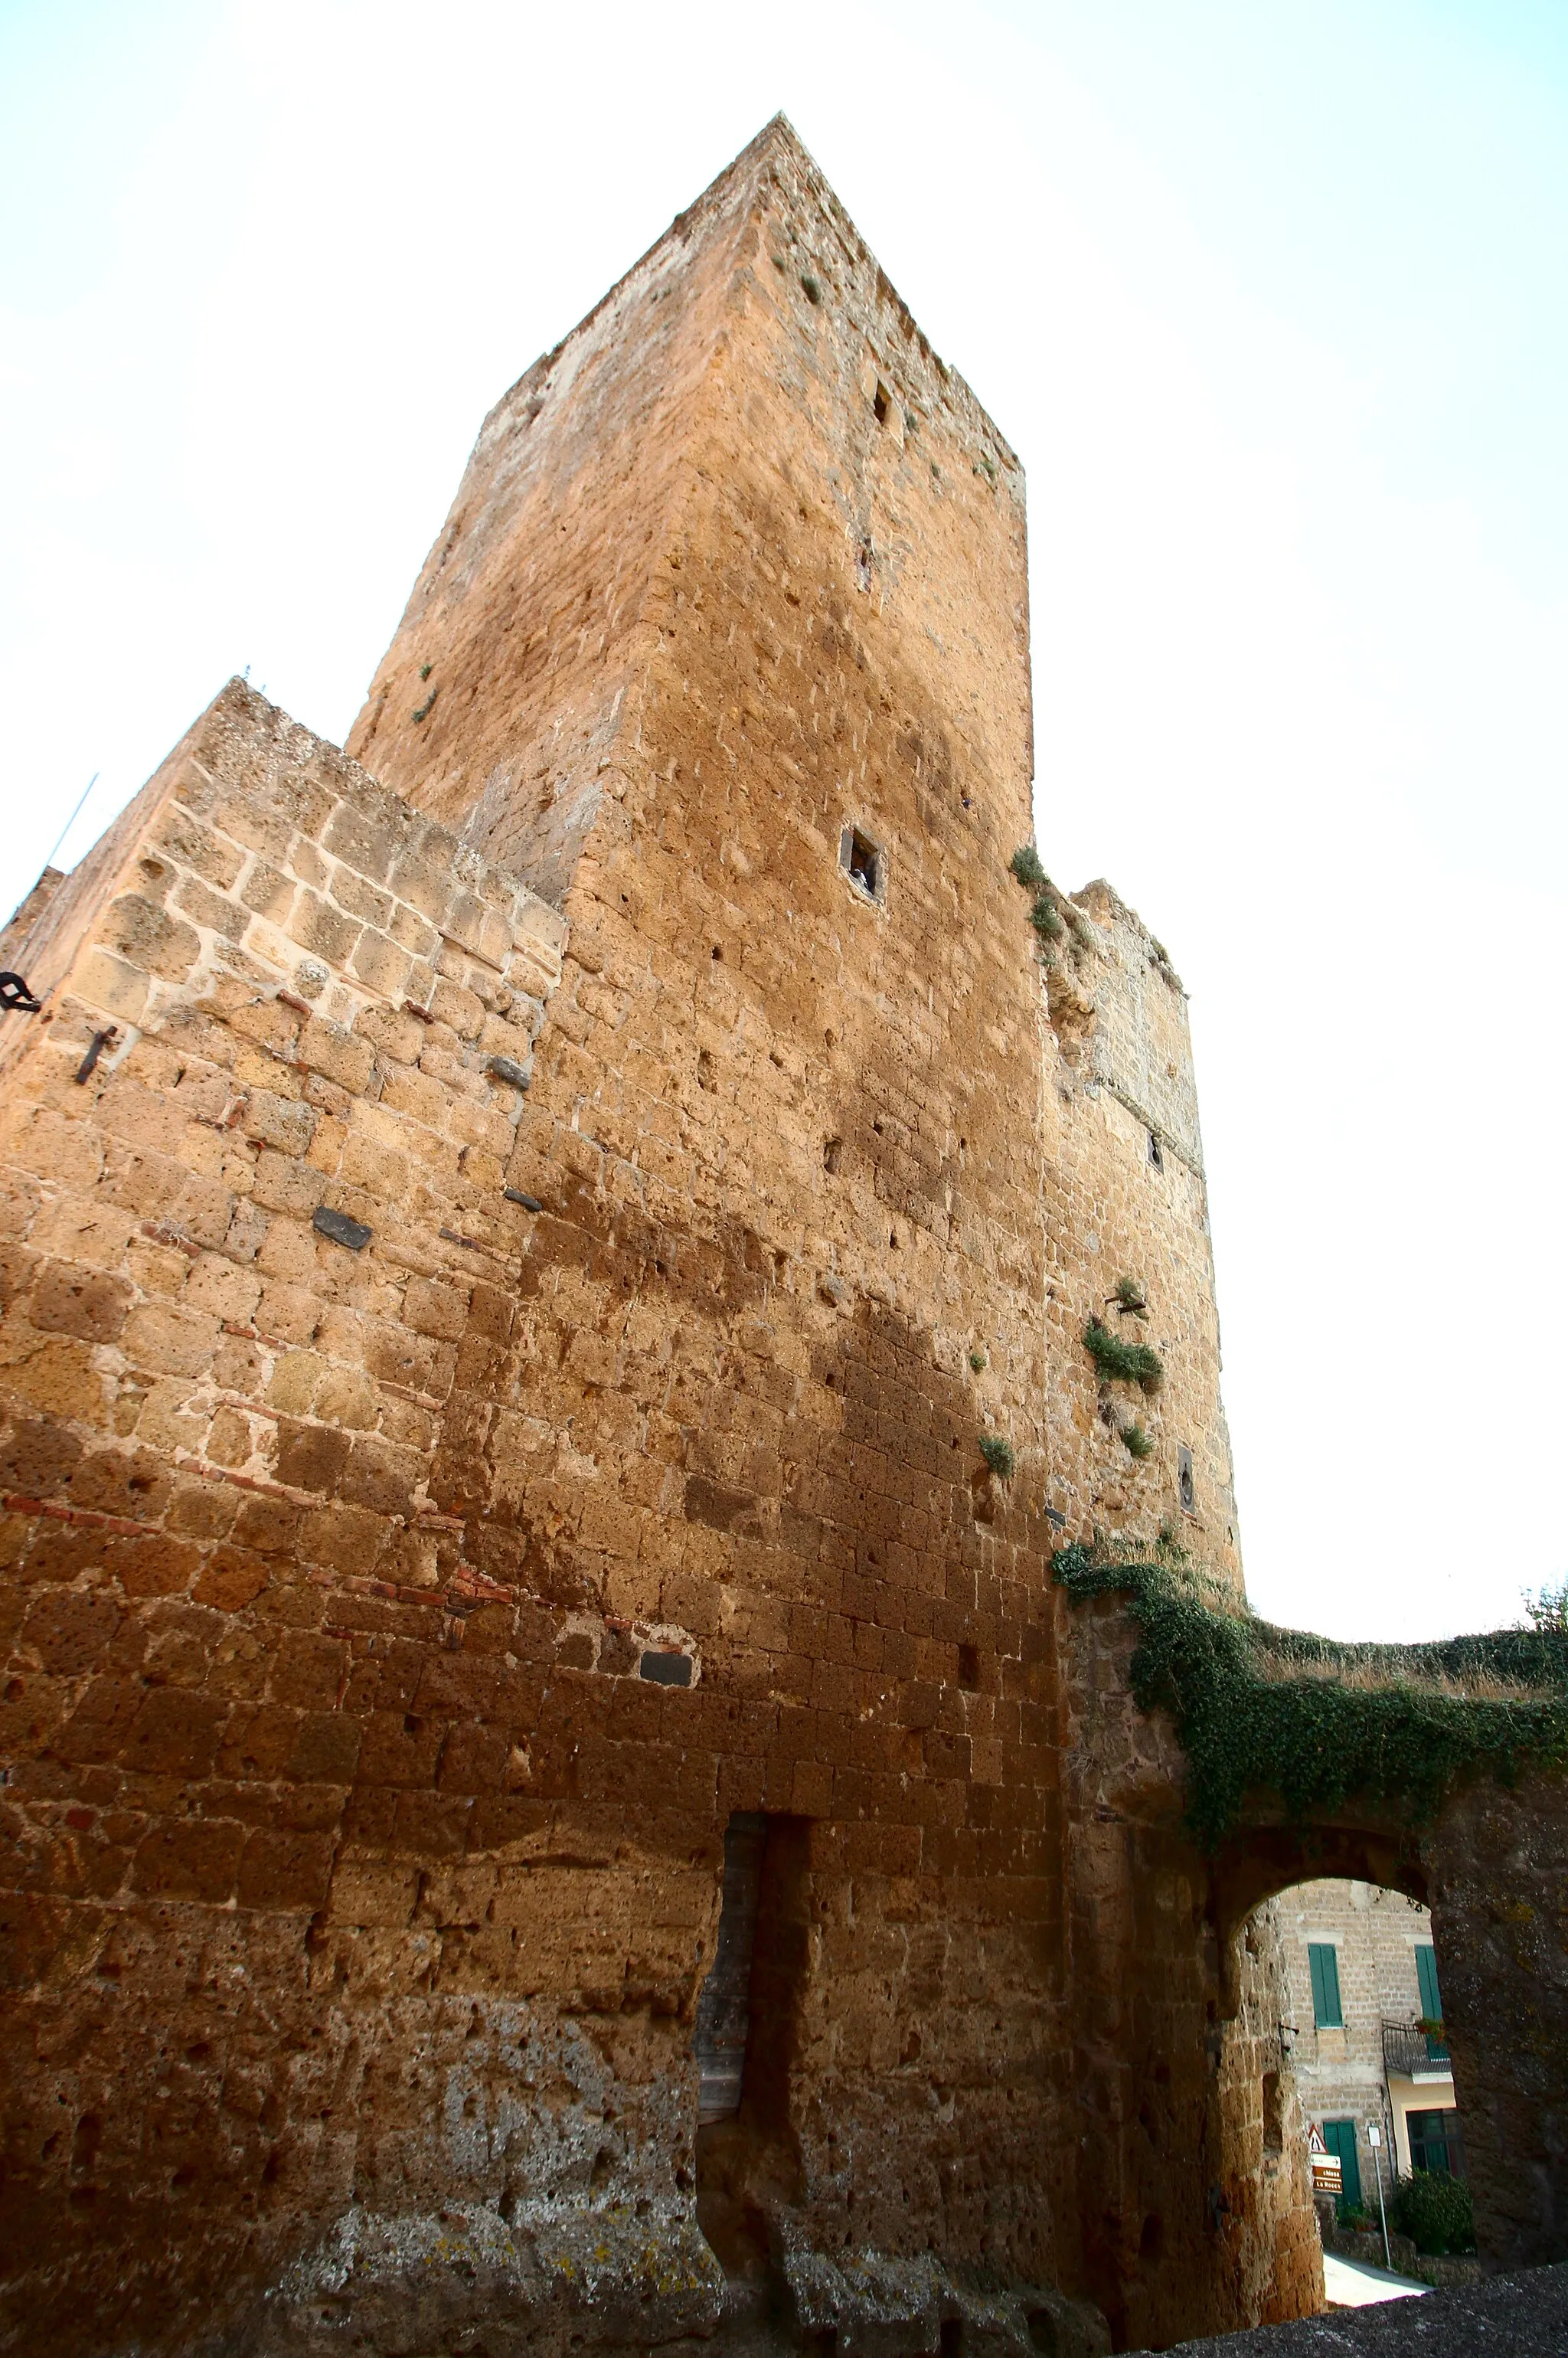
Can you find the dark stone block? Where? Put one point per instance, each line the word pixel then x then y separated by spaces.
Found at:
pixel 666 1670
pixel 341 1229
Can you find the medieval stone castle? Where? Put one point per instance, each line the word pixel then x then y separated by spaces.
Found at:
pixel 551 1800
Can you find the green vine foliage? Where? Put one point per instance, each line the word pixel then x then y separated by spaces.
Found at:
pixel 1388 1724
pixel 1122 1362
pixel 1027 868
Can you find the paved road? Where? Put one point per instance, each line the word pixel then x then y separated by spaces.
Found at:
pixel 1352 2284
pixel 1520 2316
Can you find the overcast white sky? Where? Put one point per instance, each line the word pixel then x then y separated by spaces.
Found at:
pixel 1269 295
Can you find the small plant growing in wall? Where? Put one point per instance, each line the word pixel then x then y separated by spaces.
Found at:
pixel 1026 867
pixel 1045 919
pixel 976 1360
pixel 1130 1297
pixel 1120 1362
pixel 1139 1443
pixel 997 1455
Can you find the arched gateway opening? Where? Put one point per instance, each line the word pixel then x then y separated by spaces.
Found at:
pixel 1374 2072
pixel 1221 1765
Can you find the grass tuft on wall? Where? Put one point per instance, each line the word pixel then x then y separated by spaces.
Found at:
pixel 1122 1362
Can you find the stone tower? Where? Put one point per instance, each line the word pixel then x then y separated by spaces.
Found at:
pixel 520 1232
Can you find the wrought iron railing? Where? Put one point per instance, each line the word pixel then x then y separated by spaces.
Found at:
pixel 1410 2047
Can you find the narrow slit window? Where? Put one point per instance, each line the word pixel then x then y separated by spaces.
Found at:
pixel 1156 1155
pixel 1185 1483
pixel 723 2009
pixel 863 863
pixel 882 403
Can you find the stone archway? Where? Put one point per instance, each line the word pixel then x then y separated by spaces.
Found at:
pixel 1178 1994
pixel 1493 1868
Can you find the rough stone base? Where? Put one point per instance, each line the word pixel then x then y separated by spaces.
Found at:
pixel 465 2279
pixel 468 2280
pixel 874 2307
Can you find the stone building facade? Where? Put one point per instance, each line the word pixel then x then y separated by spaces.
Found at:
pixel 515 1234
pixel 1361 1969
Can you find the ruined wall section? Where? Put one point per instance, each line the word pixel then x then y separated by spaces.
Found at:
pixel 503 697
pixel 288 1943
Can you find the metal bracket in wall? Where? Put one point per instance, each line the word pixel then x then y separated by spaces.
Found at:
pixel 100 1042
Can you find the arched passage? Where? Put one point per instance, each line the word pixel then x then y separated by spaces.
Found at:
pixel 1265 1860
pixel 1372 2076
pixel 1180 2013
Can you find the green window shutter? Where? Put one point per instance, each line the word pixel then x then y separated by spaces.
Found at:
pixel 1431 1998
pixel 1339 2137
pixel 1322 1962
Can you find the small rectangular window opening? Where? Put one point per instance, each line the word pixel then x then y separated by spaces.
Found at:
pixel 862 862
pixel 1185 1483
pixel 1437 2144
pixel 881 401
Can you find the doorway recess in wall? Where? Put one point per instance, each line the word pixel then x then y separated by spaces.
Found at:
pixel 744 2038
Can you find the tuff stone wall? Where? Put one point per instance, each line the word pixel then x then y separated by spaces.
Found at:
pixel 399 1617
pixel 1195 2173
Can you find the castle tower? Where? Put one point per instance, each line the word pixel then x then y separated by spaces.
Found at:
pixel 521 1232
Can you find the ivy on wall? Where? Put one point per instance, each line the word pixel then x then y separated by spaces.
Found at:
pixel 1314 1723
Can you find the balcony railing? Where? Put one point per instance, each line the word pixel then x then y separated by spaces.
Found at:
pixel 1409 2049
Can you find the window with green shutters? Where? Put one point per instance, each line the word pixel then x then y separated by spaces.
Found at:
pixel 1323 1963
pixel 1431 1998
pixel 1339 2137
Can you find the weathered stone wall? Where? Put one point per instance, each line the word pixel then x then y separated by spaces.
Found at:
pixel 1196 2194
pixel 1498 1872
pixel 367 1858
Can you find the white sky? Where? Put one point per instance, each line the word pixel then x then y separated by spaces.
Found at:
pixel 1270 299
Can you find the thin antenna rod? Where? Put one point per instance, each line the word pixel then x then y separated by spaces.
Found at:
pixel 75 815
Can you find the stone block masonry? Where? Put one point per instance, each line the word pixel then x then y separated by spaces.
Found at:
pixel 509 1264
